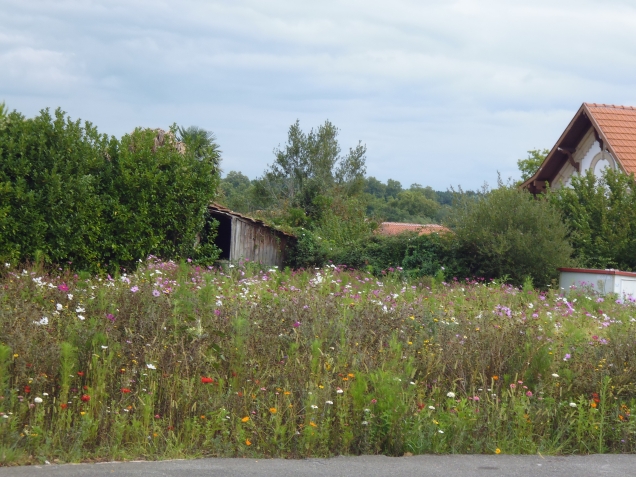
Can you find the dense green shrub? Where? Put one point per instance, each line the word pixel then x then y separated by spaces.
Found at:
pixel 509 233
pixel 71 195
pixel 601 215
pixel 414 255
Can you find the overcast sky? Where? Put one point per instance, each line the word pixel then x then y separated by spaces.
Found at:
pixel 441 92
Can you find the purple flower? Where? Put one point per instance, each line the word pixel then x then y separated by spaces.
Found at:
pixel 111 317
pixel 296 325
pixel 156 293
pixel 567 356
pixel 134 289
pixel 599 300
pixel 529 394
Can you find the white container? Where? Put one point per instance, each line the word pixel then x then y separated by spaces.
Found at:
pixel 603 281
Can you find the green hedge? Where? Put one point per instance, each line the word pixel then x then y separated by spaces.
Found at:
pixel 70 195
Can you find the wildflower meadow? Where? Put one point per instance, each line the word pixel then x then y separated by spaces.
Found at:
pixel 179 360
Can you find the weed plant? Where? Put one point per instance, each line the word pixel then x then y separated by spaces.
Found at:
pixel 177 360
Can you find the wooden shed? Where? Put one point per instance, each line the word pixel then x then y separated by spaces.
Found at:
pixel 243 238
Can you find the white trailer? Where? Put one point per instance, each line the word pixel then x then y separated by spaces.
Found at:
pixel 603 281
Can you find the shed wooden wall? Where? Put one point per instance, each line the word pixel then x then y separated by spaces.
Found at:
pixel 256 243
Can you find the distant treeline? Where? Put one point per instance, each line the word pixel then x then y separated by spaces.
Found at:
pixel 388 201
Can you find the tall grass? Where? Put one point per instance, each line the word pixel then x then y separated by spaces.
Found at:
pixel 178 360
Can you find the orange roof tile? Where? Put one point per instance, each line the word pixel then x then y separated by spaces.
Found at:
pixel 395 228
pixel 618 125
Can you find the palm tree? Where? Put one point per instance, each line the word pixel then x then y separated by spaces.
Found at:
pixel 201 142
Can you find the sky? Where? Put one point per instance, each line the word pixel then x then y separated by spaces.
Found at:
pixel 443 93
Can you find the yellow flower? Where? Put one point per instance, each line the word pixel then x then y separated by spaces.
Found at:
pixel 245 419
pixel 321 386
pixel 16 355
pixel 497 450
pixel 82 412
pixel 313 424
pixel 155 434
pixel 287 393
pixel 272 410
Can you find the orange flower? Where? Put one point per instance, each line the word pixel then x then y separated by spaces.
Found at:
pixel 245 419
pixel 248 442
pixel 313 424
pixel 272 410
pixel 495 378
pixel 63 405
pixel 593 404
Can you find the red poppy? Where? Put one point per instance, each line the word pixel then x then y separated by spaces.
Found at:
pixel 80 373
pixel 125 390
pixel 63 405
pixel 27 389
pixel 595 398
pixel 85 397
pixel 85 388
pixel 205 380
pixel 421 406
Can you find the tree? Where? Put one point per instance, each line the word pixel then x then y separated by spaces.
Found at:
pixel 531 164
pixel 201 142
pixel 310 165
pixel 506 232
pixel 601 216
pixel 237 191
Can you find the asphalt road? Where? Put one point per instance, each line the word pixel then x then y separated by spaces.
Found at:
pixel 366 466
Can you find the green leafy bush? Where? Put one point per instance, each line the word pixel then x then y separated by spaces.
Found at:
pixel 71 195
pixel 508 233
pixel 601 215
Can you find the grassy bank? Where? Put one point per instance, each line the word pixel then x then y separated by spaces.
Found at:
pixel 176 360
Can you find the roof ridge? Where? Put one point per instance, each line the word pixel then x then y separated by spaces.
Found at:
pixel 610 106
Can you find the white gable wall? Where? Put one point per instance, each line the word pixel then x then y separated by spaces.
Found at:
pixel 588 155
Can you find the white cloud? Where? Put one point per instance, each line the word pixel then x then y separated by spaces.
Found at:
pixel 468 83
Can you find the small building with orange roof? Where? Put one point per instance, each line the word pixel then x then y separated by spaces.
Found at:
pixel 599 136
pixel 396 228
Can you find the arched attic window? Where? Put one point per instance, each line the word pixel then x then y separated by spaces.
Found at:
pixel 602 161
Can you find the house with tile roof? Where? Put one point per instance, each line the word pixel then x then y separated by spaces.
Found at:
pixel 396 228
pixel 599 136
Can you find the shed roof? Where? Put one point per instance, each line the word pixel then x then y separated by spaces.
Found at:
pixel 218 208
pixel 395 228
pixel 614 126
